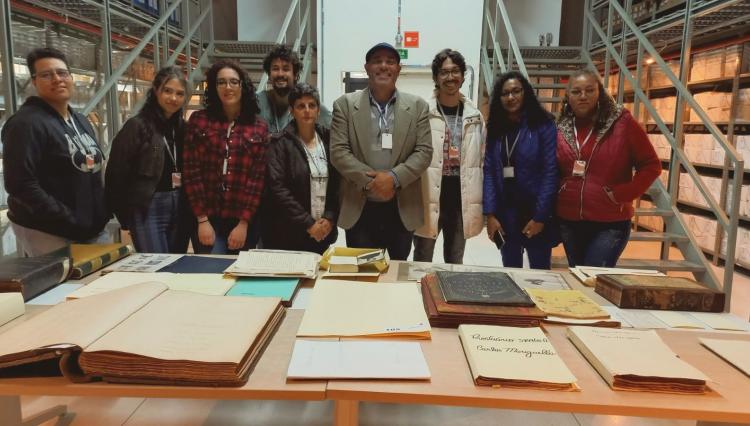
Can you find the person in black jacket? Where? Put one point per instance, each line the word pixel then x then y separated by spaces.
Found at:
pixel 301 202
pixel 144 172
pixel 52 164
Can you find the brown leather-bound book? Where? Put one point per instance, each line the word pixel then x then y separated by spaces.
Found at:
pixel 32 276
pixel 443 314
pixel 662 293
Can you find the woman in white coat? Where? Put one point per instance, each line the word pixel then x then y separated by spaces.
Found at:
pixel 452 185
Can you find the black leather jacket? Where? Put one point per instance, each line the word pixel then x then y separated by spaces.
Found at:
pixel 286 205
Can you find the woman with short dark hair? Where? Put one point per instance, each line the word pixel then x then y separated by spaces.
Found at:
pixel 520 174
pixel 225 147
pixel 301 205
pixel 143 177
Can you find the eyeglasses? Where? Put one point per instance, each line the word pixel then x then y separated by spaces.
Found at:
pixel 232 82
pixel 50 74
pixel 444 73
pixel 516 92
pixel 577 93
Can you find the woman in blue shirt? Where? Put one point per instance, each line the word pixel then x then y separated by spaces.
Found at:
pixel 521 177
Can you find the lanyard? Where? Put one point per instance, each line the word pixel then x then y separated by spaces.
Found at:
pixel 454 128
pixel 383 118
pixel 585 141
pixel 509 151
pixel 72 124
pixel 169 151
pixel 318 147
pixel 226 144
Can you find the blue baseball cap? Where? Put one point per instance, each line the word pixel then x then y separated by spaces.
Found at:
pixel 386 46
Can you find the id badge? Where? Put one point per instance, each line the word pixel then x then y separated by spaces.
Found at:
pixel 176 179
pixel 386 140
pixel 453 153
pixel 90 161
pixel 509 172
pixel 579 168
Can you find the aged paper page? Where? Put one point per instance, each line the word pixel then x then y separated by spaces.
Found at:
pixel 78 322
pixel 512 353
pixel 735 352
pixel 566 304
pixel 721 321
pixel 208 284
pixel 352 359
pixel 115 280
pixel 350 308
pixel 180 325
pixel 676 319
pixel 275 262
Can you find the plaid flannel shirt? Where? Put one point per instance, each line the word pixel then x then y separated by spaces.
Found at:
pixel 237 193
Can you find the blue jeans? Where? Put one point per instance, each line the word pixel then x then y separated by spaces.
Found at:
pixel 539 255
pixel 222 228
pixel 589 243
pixel 380 226
pixel 156 229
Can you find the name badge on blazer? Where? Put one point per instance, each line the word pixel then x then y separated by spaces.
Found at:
pixel 386 140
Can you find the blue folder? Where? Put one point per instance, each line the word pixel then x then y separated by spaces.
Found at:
pixel 285 288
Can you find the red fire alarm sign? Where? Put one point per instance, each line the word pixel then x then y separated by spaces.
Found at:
pixel 411 38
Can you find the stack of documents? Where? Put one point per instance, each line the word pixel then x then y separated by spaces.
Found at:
pixel 514 357
pixel 636 360
pixel 570 306
pixel 275 263
pixel 341 308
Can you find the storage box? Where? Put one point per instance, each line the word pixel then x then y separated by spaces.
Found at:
pixel 375 268
pixel 737 59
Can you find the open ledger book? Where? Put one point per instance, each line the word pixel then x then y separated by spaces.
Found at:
pixel 146 333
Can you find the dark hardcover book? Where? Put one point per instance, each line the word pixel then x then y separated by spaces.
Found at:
pixel 663 293
pixel 32 276
pixel 486 288
pixel 198 265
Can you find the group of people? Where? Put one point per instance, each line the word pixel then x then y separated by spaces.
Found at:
pixel 277 168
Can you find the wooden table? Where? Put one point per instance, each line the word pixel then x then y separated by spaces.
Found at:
pixel 451 383
pixel 267 381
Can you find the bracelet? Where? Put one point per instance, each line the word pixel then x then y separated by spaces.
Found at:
pixel 202 221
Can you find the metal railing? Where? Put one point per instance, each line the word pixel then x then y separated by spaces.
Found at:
pixel 496 19
pixel 728 221
pixel 303 31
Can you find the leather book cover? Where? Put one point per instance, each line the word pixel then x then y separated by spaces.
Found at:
pixel 443 314
pixel 486 288
pixel 662 293
pixel 89 258
pixel 32 276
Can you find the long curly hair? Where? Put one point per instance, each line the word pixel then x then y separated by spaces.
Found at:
pixel 151 111
pixel 605 103
pixel 249 102
pixel 498 121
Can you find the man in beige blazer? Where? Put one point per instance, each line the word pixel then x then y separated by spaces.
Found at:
pixel 381 144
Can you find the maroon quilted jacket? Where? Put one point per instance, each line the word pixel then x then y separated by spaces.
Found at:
pixel 607 191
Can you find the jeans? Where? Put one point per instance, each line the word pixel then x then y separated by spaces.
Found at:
pixel 156 229
pixel 37 243
pixel 380 226
pixel 450 221
pixel 222 228
pixel 539 256
pixel 589 243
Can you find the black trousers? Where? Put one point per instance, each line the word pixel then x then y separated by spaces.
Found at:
pixel 380 226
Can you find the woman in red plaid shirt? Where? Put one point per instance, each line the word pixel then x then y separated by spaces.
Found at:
pixel 223 161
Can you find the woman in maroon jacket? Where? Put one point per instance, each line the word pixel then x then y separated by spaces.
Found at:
pixel 598 145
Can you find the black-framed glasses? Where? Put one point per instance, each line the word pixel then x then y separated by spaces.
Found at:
pixel 48 75
pixel 455 72
pixel 516 92
pixel 232 82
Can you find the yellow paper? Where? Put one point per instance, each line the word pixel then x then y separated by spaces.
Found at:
pixel 566 303
pixel 341 308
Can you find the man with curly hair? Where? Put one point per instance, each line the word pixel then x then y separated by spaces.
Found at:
pixel 283 68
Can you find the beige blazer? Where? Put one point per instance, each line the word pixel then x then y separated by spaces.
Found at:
pixel 411 154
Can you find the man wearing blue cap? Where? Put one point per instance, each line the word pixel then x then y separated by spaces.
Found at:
pixel 381 145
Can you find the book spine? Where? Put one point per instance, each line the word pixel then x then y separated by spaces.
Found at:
pixel 85 268
pixel 609 292
pixel 673 300
pixel 43 279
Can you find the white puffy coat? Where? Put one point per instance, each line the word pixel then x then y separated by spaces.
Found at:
pixel 472 160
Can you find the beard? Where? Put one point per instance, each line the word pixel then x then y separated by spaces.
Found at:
pixel 282 90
